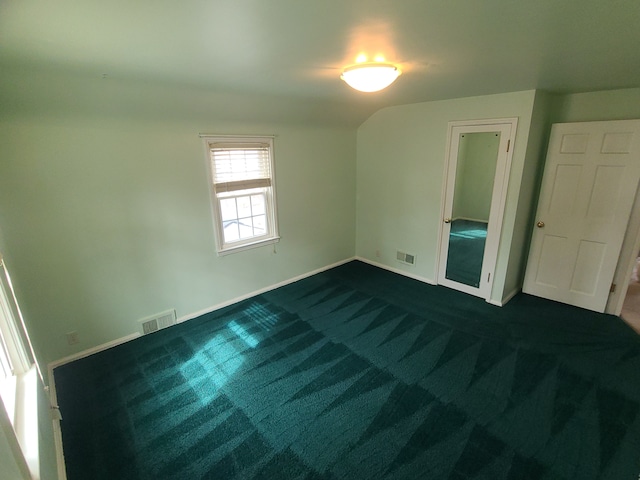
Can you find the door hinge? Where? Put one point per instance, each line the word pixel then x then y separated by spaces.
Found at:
pixel 508 145
pixel 613 288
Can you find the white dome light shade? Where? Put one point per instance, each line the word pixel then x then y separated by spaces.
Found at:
pixel 370 77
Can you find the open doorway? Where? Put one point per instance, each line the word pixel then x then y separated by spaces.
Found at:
pixel 631 306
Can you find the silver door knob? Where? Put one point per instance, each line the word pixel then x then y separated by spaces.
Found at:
pixel 447 220
pixel 540 224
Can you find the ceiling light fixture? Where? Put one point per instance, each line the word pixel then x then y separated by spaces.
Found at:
pixel 371 76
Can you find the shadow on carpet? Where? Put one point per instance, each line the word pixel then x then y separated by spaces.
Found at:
pixel 359 373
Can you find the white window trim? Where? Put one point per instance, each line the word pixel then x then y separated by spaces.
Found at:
pixel 19 396
pixel 17 350
pixel 271 203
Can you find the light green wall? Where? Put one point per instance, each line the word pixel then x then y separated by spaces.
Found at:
pixel 621 104
pixel 400 159
pixel 105 213
pixel 105 210
pixel 400 162
pixel 528 190
pixel 475 172
pixel 548 108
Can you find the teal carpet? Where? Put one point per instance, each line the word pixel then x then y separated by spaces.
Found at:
pixel 359 373
pixel 466 251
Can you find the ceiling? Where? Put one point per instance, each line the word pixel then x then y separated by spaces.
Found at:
pixel 295 49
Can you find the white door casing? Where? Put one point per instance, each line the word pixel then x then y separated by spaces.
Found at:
pixel 588 189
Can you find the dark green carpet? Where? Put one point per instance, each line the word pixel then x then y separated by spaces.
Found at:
pixel 466 251
pixel 358 373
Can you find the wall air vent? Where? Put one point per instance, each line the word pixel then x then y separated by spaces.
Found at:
pixel 158 322
pixel 407 258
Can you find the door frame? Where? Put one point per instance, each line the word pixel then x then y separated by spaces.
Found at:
pixel 498 200
pixel 626 260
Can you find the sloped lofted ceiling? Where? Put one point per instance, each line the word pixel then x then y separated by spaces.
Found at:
pixel 294 50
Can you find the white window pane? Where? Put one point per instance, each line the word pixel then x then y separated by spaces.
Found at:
pixel 257 204
pixel 260 225
pixel 231 233
pixel 228 209
pixel 244 206
pixel 246 228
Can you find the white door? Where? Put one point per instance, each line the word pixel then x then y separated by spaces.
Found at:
pixel 476 177
pixel 588 189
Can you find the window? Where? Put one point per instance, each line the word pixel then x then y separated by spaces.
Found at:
pixel 6 366
pixel 19 377
pixel 243 191
pixel 14 358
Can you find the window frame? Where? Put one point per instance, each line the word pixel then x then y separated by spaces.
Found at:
pixel 271 236
pixel 14 345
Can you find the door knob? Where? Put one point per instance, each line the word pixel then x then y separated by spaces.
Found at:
pixel 447 220
pixel 540 224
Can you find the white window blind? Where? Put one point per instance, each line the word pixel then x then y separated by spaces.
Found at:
pixel 240 166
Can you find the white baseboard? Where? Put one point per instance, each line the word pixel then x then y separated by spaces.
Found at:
pixel 91 351
pixel 505 299
pixel 497 303
pixel 99 348
pixel 396 270
pixel 53 397
pixel 218 306
pixel 119 341
pixel 510 295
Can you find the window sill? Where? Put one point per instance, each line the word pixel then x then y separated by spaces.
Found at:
pixel 248 246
